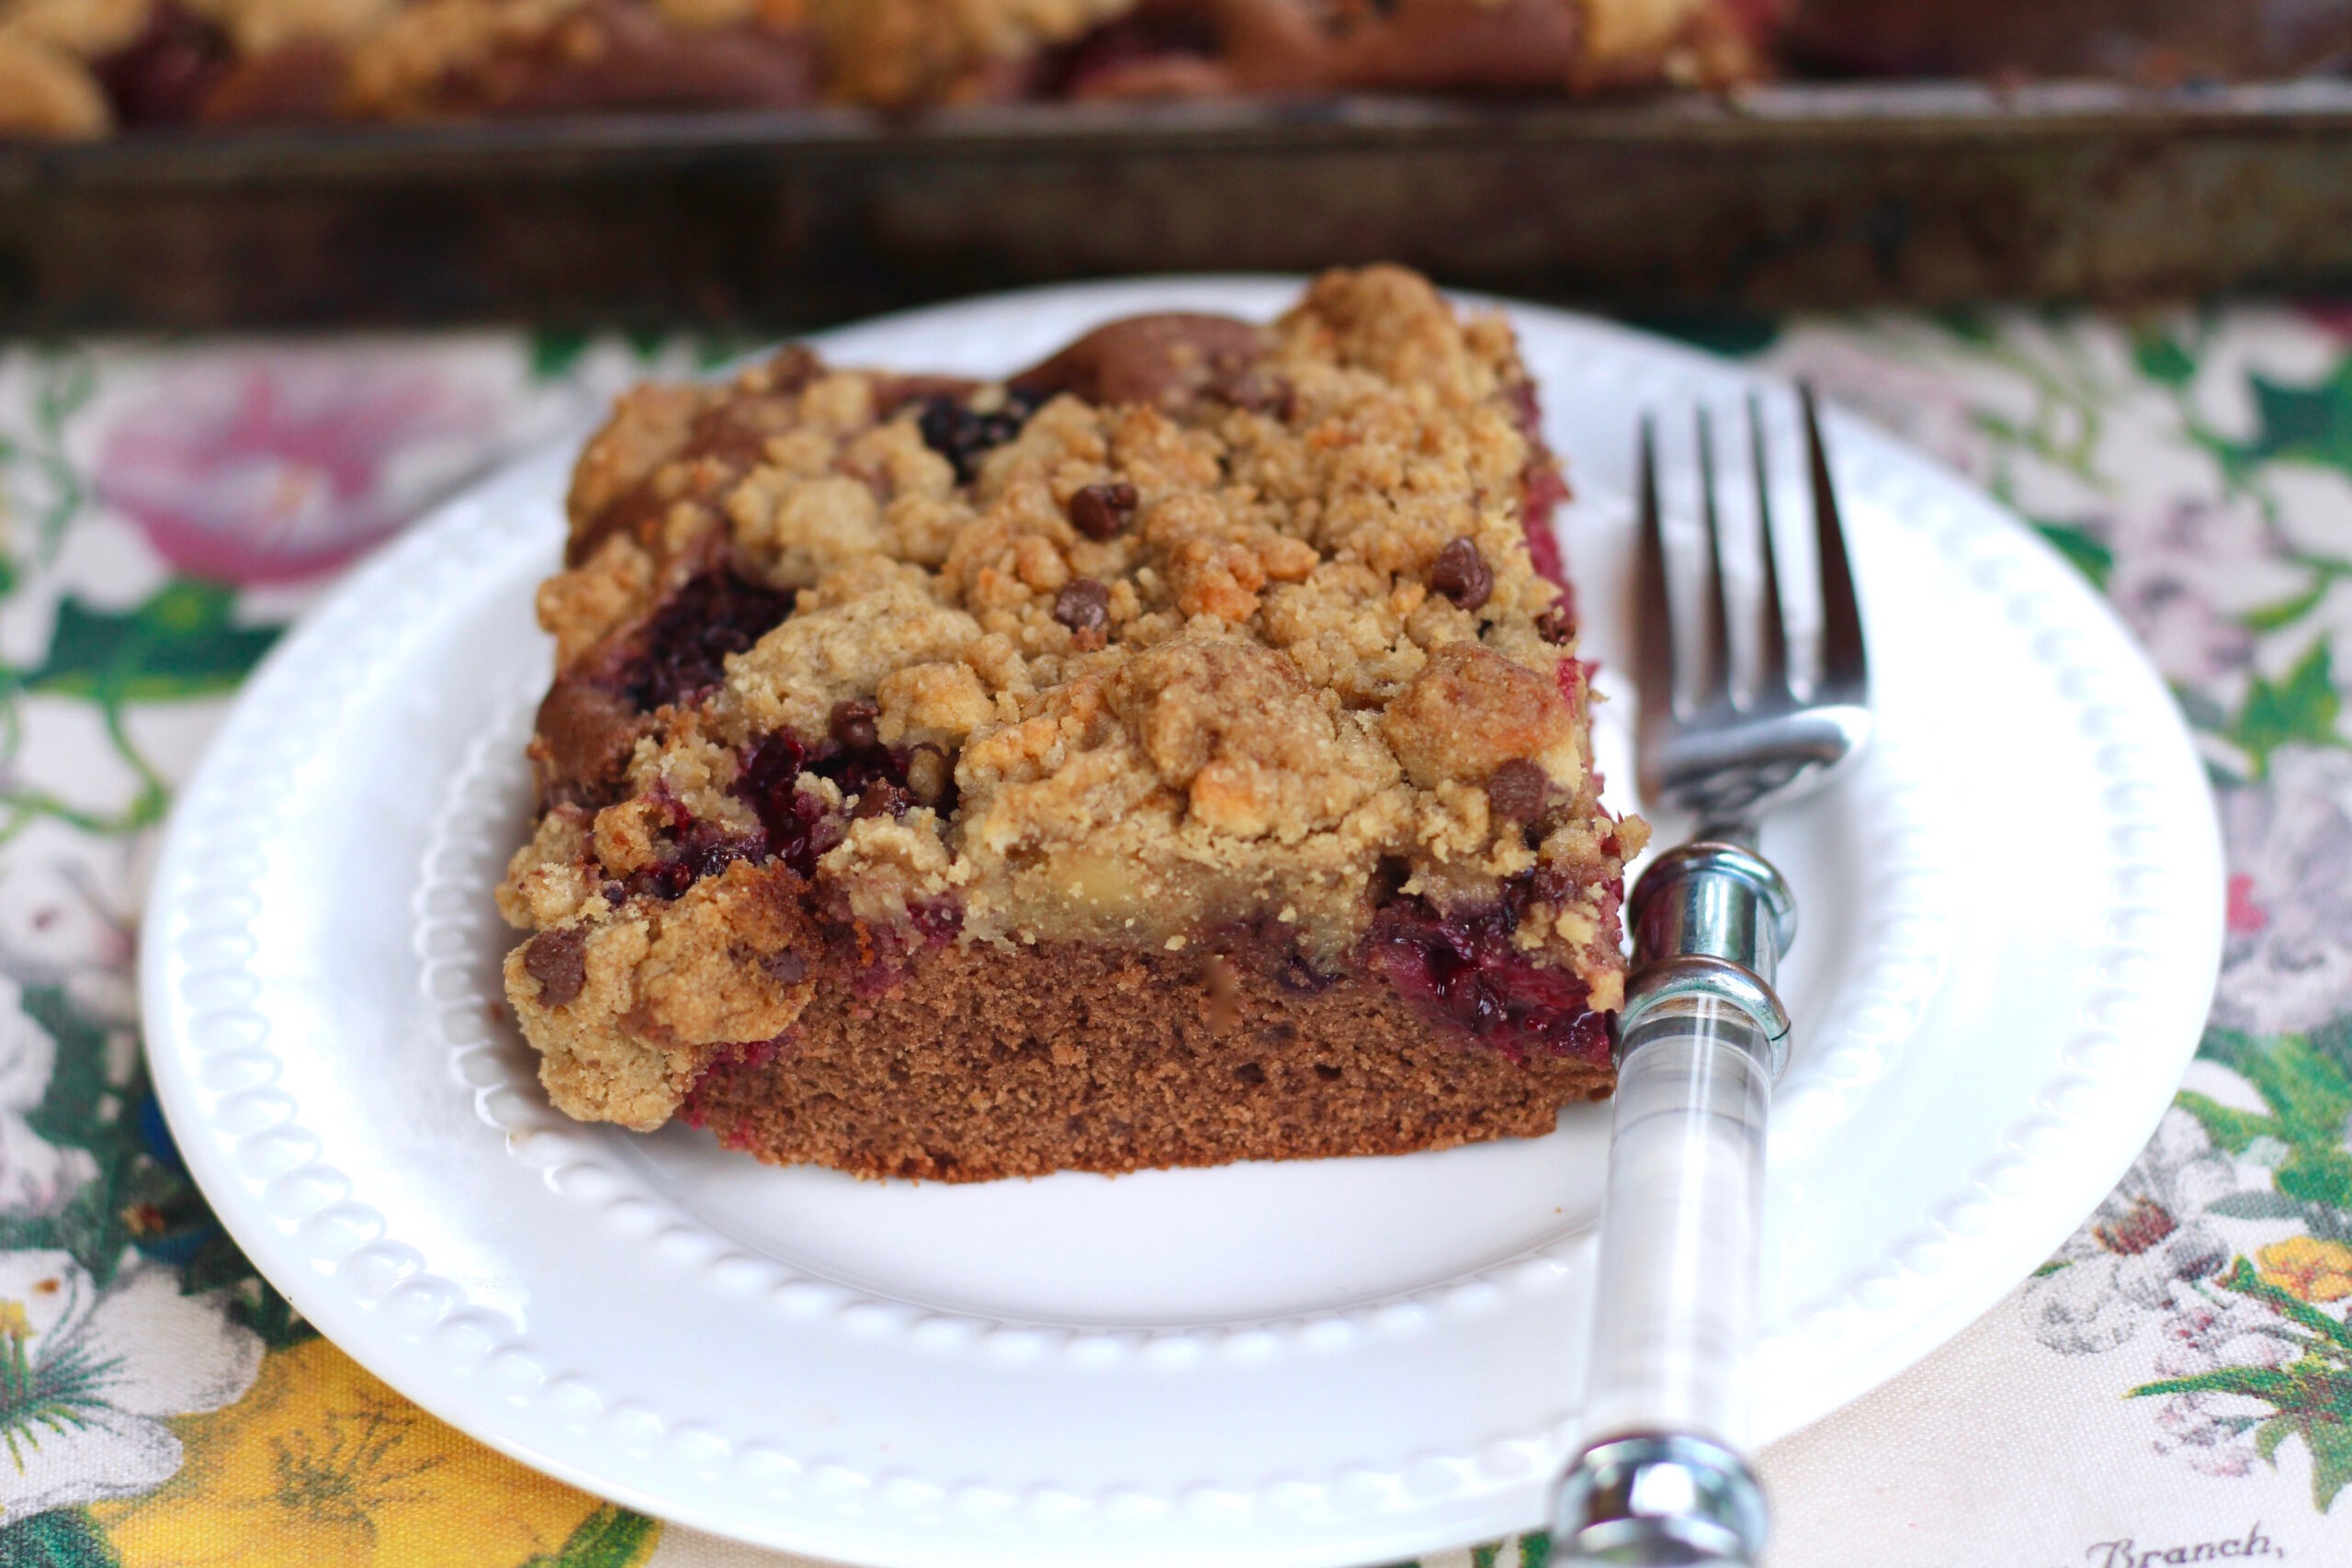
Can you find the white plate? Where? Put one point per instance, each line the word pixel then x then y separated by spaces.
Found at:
pixel 2012 923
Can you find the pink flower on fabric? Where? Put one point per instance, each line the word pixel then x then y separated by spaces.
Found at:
pixel 2285 966
pixel 276 466
pixel 2246 915
pixel 2209 1333
pixel 2212 1441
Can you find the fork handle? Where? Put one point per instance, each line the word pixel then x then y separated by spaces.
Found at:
pixel 1663 1479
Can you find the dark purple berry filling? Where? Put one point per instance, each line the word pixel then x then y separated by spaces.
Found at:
pixel 1540 489
pixel 963 436
pixel 798 826
pixel 1462 969
pixel 701 853
pixel 683 651
pixel 795 825
pixel 938 920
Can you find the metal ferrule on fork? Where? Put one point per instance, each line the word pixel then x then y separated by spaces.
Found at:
pixel 1710 919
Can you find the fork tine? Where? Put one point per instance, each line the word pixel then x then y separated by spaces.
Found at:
pixel 1652 606
pixel 1773 622
pixel 1714 666
pixel 1845 670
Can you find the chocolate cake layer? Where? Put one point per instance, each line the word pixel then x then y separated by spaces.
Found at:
pixel 1071 1056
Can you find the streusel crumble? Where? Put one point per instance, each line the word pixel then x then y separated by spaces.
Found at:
pixel 1168 755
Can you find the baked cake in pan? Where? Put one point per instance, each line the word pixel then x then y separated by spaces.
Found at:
pixel 1175 754
pixel 911 51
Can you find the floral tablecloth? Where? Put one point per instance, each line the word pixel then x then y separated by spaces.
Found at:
pixel 2174 1386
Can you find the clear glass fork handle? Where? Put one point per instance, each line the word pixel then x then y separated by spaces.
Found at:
pixel 1663 1479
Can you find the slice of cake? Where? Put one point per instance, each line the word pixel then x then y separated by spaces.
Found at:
pixel 898 53
pixel 1173 754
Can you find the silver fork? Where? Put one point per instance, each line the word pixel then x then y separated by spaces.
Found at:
pixel 1664 1478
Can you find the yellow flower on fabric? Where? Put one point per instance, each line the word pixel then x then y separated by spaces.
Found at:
pixel 322 1464
pixel 2307 1268
pixel 15 1322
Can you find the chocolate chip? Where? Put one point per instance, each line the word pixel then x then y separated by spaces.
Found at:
pixel 1084 606
pixel 929 774
pixel 1556 625
pixel 1104 512
pixel 883 798
pixel 557 960
pixel 1518 790
pixel 1249 1072
pixel 785 968
pixel 853 724
pixel 1462 574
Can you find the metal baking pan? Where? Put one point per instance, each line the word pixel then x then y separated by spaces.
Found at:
pixel 1781 196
